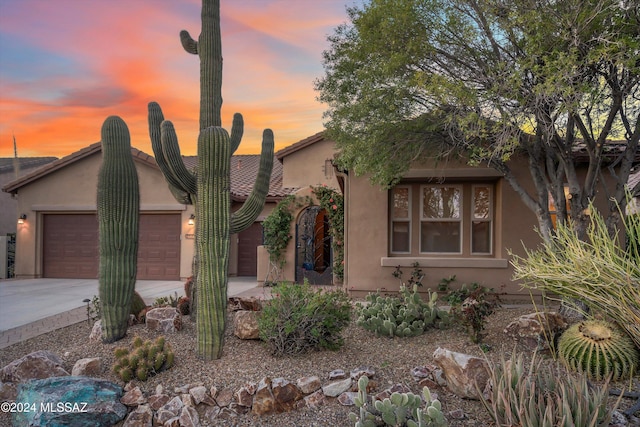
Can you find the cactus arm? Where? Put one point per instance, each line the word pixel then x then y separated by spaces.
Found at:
pixel 118 206
pixel 171 152
pixel 237 129
pixel 188 43
pixel 177 189
pixel 247 214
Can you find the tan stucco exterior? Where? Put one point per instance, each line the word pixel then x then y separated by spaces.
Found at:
pixel 310 165
pixel 72 189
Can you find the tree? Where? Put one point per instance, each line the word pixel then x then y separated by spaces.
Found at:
pixel 208 188
pixel 558 81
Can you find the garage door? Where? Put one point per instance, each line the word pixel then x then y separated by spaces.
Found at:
pixel 70 246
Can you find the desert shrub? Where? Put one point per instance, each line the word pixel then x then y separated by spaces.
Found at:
pixel 543 396
pixel 470 307
pixel 597 271
pixel 399 409
pixel 404 316
pixel 299 318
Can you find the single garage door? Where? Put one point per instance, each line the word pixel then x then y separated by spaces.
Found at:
pixel 70 246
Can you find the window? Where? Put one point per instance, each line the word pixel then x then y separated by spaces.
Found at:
pixel 401 219
pixel 453 219
pixel 440 219
pixel 481 220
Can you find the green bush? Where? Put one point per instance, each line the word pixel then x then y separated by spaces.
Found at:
pixel 299 318
pixel 404 316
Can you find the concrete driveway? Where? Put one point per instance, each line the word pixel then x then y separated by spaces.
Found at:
pixel 24 301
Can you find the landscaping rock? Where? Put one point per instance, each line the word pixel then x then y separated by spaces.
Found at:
pixel 308 385
pixel 189 417
pixel 348 398
pixel 285 393
pixel 37 365
pixel 88 367
pixel 245 325
pixel 200 395
pixel 263 401
pixel 536 330
pixel 133 397
pixel 336 388
pixel 156 401
pixel 142 416
pixel 362 370
pixel 244 396
pixel 164 319
pixel 8 392
pixel 96 331
pixel 314 400
pixel 243 303
pixel 465 374
pixel 86 402
pixel 337 374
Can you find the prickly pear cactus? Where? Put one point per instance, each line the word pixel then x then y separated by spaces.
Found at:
pixel 400 409
pixel 599 349
pixel 404 316
pixel 209 187
pixel 118 207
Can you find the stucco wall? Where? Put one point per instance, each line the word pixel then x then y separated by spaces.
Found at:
pixel 73 189
pixel 310 166
pixel 369 265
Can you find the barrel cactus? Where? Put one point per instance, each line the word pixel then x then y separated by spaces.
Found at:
pixel 146 358
pixel 118 208
pixel 208 187
pixel 600 349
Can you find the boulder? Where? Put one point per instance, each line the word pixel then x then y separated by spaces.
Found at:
pixel 164 319
pixel 224 397
pixel 189 417
pixel 156 401
pixel 315 400
pixel 348 398
pixel 244 396
pixel 8 392
pixel 87 367
pixel 465 374
pixel 245 325
pixel 133 397
pixel 70 401
pixel 536 330
pixel 200 395
pixel 37 365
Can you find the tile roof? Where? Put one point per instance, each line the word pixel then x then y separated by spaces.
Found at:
pixel 6 163
pixel 94 148
pixel 280 154
pixel 244 169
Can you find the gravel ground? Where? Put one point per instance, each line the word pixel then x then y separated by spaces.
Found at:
pixel 249 361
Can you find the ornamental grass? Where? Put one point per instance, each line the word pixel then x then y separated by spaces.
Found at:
pixel 598 271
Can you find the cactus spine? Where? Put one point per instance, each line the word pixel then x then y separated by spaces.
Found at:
pixel 118 215
pixel 209 187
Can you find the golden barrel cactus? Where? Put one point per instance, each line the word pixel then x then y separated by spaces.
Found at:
pixel 600 349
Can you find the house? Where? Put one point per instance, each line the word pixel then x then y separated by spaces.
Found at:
pixel 59 237
pixel 10 169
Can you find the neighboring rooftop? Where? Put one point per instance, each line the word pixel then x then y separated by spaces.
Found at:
pixel 7 163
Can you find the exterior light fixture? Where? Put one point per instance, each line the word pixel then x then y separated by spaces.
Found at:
pixel 22 219
pixel 192 219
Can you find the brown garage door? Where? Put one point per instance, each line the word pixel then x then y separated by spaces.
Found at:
pixel 70 246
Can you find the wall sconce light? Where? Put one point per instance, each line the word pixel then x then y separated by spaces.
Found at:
pixel 192 219
pixel 22 219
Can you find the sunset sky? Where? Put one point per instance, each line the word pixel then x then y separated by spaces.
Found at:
pixel 66 65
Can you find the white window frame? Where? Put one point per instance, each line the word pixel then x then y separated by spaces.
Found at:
pixel 474 219
pixel 406 220
pixel 458 220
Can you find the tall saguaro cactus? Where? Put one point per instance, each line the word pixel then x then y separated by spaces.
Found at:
pixel 209 187
pixel 118 217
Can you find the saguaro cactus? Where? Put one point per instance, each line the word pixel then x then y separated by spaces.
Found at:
pixel 209 187
pixel 118 216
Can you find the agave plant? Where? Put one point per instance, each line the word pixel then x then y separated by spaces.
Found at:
pixel 600 349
